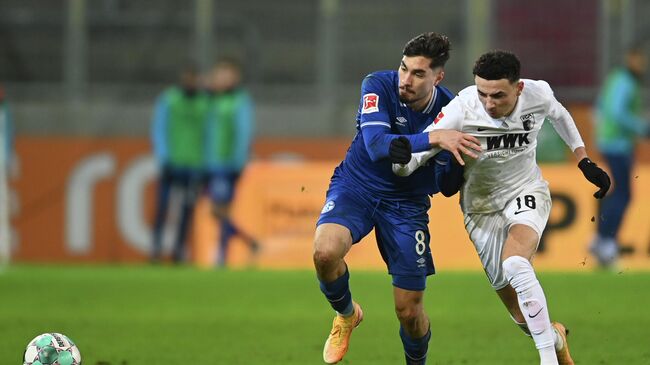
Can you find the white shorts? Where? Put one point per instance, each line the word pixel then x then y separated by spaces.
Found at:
pixel 488 231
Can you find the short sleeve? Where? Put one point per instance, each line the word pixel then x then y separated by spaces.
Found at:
pixel 374 104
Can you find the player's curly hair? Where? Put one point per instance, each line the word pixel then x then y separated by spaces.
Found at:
pixel 497 65
pixel 430 45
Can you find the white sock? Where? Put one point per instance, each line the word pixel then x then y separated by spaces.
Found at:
pixel 557 340
pixel 532 302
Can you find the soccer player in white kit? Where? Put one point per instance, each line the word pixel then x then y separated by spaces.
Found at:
pixel 504 198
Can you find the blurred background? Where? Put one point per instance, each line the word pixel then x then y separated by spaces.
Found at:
pixel 82 77
pixel 92 68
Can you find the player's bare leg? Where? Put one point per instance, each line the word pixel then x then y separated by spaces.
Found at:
pixel 519 248
pixel 509 298
pixel 414 325
pixel 331 244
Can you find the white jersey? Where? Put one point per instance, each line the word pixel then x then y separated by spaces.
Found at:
pixel 507 162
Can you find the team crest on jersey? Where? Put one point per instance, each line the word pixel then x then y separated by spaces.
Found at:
pixel 370 103
pixel 438 117
pixel 328 206
pixel 528 121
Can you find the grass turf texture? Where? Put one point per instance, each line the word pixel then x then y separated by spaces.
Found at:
pixel 169 315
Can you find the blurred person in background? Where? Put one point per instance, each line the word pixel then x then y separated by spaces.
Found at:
pixel 364 194
pixel 505 200
pixel 619 125
pixel 178 138
pixel 7 134
pixel 229 136
pixel 6 130
pixel 6 164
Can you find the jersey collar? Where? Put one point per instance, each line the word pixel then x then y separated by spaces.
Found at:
pixel 429 106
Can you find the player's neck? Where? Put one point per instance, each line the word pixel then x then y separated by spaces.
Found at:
pixel 421 104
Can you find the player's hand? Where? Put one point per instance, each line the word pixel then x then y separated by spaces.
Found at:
pixel 400 150
pixel 456 142
pixel 596 176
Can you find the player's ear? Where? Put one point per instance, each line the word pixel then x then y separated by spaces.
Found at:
pixel 439 76
pixel 520 87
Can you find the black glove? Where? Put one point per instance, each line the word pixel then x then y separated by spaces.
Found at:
pixel 596 176
pixel 400 150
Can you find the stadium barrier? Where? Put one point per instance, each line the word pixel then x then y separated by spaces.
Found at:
pixel 92 200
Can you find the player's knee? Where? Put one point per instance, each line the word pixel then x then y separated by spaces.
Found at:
pixel 329 249
pixel 408 315
pixel 327 254
pixel 324 257
pixel 519 272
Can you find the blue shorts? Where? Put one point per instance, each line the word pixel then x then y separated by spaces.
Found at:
pixel 401 229
pixel 221 186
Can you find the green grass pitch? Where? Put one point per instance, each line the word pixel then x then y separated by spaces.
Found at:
pixel 133 315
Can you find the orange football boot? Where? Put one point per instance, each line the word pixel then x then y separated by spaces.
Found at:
pixel 338 341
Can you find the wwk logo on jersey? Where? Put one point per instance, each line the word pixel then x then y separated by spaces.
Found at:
pixel 370 103
pixel 528 121
pixel 507 141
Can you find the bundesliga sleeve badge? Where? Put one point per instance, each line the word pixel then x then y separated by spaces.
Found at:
pixel 438 117
pixel 370 103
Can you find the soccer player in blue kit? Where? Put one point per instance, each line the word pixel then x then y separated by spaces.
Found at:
pixel 365 194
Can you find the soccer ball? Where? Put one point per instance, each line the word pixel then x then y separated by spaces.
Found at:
pixel 52 349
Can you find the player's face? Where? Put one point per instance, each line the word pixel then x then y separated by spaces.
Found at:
pixel 498 97
pixel 225 77
pixel 638 63
pixel 417 80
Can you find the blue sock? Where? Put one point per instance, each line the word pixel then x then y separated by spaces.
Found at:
pixel 415 349
pixel 338 294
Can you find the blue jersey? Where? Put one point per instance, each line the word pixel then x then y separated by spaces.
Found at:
pixel 382 117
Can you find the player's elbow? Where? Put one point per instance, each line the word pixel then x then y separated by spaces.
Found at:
pixel 376 144
pixel 375 153
pixel 374 157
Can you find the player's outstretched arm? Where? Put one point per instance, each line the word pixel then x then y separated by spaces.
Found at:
pixel 457 143
pixel 593 173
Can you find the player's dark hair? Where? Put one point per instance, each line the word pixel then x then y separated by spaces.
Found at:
pixel 430 45
pixel 497 65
